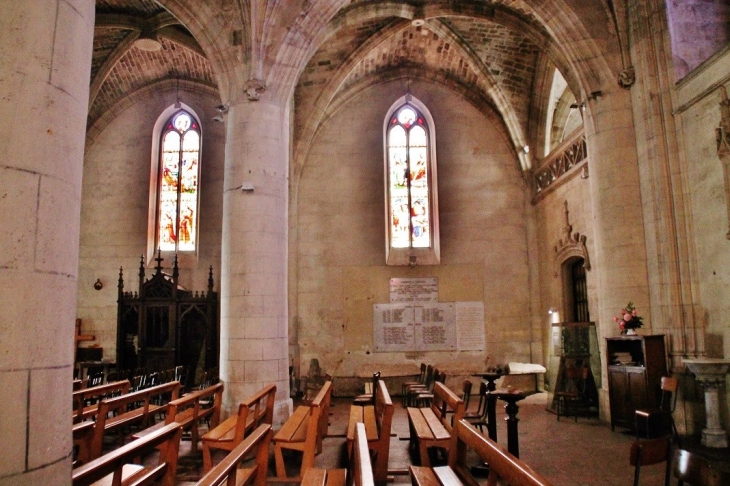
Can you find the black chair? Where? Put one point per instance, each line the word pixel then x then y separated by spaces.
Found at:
pixel 648 452
pixel 657 422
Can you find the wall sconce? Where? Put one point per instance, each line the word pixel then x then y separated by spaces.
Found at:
pixel 526 149
pixel 222 109
pixel 98 285
pixel 596 95
pixel 554 316
pixel 412 261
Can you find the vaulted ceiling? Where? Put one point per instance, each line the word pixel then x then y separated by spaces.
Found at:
pixel 490 51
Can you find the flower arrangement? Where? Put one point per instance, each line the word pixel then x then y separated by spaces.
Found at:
pixel 629 319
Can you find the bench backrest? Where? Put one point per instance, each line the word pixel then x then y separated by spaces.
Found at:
pixel 320 410
pixel 361 469
pixel 255 410
pixel 444 403
pixel 168 441
pixel 384 418
pixel 120 404
pixel 193 399
pixel 80 397
pixel 225 472
pixel 503 466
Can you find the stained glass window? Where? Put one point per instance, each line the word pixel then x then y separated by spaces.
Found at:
pixel 408 179
pixel 177 189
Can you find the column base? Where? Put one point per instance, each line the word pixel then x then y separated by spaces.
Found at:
pixel 716 438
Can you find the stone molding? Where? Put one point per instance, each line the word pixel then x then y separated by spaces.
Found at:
pixel 574 245
pixel 722 135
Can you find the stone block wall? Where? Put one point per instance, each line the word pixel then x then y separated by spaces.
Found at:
pixel 338 243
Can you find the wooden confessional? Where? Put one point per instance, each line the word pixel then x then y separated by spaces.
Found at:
pixel 163 325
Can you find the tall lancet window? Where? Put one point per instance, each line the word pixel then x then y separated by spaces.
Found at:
pixel 177 184
pixel 411 197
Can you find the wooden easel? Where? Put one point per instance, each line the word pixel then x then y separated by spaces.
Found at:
pixel 78 337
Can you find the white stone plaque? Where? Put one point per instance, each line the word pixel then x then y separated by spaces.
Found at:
pixel 470 326
pixel 414 327
pixel 414 290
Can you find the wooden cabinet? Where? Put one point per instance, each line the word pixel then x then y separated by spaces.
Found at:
pixel 636 365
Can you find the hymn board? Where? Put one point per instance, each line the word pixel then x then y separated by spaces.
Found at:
pixel 415 320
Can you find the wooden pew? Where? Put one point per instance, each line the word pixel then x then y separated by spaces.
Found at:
pixel 116 467
pixel 252 412
pixel 377 420
pixel 304 431
pixel 360 467
pixel 188 412
pixel 227 471
pixel 504 468
pixel 114 413
pixel 431 426
pixel 95 394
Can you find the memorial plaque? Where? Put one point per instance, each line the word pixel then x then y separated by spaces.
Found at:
pixel 414 290
pixel 470 326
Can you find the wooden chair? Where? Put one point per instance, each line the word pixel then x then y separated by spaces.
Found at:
pixel 657 422
pixel 420 381
pixel 573 400
pixel 697 471
pixel 228 472
pixel 252 412
pixel 480 418
pixel 648 452
pixel 412 390
pixel 423 399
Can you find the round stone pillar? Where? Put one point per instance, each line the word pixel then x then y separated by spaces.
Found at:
pixel 45 47
pixel 254 341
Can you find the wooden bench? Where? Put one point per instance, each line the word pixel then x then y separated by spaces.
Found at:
pixel 377 420
pixel 504 468
pixel 361 470
pixel 252 412
pixel 431 426
pixel 304 431
pixel 227 471
pixel 188 411
pixel 116 467
pixel 115 413
pixel 82 411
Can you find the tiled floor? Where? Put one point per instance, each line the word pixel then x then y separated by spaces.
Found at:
pixel 565 452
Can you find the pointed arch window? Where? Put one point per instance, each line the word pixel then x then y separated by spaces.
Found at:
pixel 411 196
pixel 176 220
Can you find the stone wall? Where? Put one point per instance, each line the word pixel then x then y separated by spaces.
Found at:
pixel 115 210
pixel 339 247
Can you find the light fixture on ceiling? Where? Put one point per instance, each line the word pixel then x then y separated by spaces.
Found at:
pixel 148 41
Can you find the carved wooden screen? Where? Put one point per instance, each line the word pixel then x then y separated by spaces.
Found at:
pixel 164 325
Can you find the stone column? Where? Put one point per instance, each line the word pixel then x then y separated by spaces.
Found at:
pixel 254 342
pixel 620 253
pixel 45 47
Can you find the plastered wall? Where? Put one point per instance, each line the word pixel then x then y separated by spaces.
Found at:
pixel 339 247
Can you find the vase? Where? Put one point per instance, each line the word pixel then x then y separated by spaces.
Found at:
pixel 631 332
